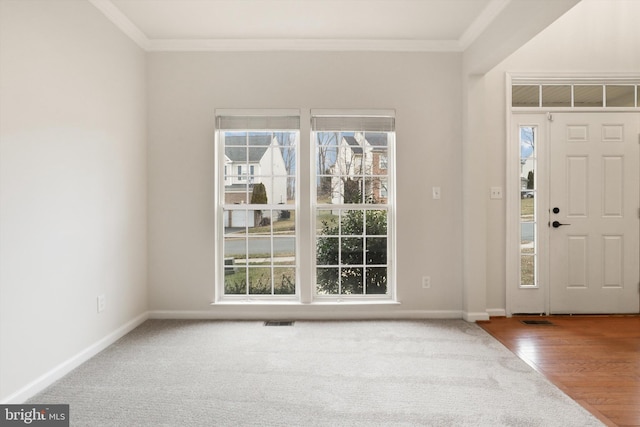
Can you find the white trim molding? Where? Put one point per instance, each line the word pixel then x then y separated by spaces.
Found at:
pixel 474 317
pixel 308 312
pixel 122 22
pixel 334 45
pixel 523 299
pixel 496 312
pixel 488 15
pixel 524 78
pixel 482 22
pixel 72 363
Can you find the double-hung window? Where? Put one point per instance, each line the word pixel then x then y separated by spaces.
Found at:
pixel 353 230
pixel 345 219
pixel 256 207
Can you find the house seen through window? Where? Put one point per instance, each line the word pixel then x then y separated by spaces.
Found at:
pixel 349 215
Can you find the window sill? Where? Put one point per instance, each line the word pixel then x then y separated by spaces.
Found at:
pixel 302 304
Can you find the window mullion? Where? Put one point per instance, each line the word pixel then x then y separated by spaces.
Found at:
pixel 364 252
pixel 246 261
pixel 272 257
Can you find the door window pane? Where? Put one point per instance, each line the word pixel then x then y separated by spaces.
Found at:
pixel 620 96
pixel 528 190
pixel 527 270
pixel 525 96
pixel 556 96
pixel 587 96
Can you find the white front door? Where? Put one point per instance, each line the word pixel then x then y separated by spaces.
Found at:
pixel 594 201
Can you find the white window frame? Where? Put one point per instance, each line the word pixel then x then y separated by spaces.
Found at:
pixel 305 208
pixel 252 120
pixel 356 121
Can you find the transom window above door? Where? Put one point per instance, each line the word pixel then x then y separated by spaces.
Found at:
pixel 575 95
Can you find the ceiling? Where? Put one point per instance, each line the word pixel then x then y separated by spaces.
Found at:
pixel 485 31
pixel 417 25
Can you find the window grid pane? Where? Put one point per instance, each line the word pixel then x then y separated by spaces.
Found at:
pixel 556 96
pixel 352 244
pixel 525 96
pixel 588 96
pixel 259 239
pixel 352 249
pixel 251 251
pixel 620 96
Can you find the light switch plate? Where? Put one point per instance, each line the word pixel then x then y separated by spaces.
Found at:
pixel 436 192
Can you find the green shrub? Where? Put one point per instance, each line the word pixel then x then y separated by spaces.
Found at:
pixel 259 194
pixel 352 253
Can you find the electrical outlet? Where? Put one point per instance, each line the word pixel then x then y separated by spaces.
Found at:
pixel 426 282
pixel 102 303
pixel 496 193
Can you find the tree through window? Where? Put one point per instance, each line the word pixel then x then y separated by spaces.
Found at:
pixel 353 233
pixel 258 205
pixel 349 218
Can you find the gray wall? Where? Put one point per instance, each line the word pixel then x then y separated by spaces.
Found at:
pixel 186 88
pixel 72 185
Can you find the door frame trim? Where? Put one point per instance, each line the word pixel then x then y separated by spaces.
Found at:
pixel 512 173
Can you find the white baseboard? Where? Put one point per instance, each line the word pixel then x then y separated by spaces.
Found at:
pixel 236 313
pixel 321 313
pixel 497 312
pixel 474 317
pixel 67 366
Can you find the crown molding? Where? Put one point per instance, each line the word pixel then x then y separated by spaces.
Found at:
pixel 567 78
pixel 122 22
pixel 482 22
pixel 246 45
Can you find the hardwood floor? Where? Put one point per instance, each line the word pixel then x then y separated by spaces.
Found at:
pixel 593 359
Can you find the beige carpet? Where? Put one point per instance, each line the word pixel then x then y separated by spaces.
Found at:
pixel 354 373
